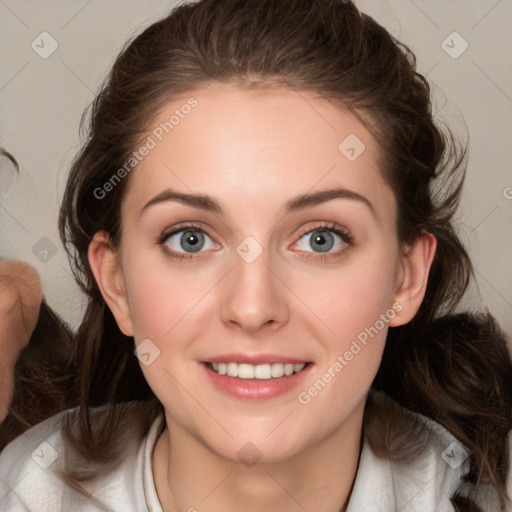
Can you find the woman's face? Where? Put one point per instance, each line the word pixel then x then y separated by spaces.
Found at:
pixel 258 239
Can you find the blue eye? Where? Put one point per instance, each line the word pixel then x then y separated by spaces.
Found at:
pixel 189 241
pixel 322 240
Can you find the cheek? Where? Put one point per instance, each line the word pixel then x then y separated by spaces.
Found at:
pixel 349 299
pixel 355 318
pixel 352 309
pixel 160 297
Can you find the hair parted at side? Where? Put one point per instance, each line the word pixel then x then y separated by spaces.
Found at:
pixel 330 49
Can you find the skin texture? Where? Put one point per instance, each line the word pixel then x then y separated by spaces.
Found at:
pixel 254 151
pixel 20 300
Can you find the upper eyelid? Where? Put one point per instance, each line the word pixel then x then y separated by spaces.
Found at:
pixel 338 229
pixel 191 226
pixel 167 233
pixel 346 238
pixel 163 238
pixel 325 225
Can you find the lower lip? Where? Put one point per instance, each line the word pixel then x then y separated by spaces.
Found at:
pixel 255 389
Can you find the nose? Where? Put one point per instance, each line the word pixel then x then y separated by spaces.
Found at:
pixel 253 298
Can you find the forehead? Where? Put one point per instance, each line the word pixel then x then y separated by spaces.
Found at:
pixel 254 146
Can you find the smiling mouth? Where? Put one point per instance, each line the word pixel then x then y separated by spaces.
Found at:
pixel 260 371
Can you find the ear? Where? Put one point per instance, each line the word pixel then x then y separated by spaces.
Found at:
pixel 107 270
pixel 412 280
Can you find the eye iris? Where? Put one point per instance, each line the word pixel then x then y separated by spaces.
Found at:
pixel 192 241
pixel 322 241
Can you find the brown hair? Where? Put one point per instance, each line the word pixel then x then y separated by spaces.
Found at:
pixel 328 48
pixel 44 378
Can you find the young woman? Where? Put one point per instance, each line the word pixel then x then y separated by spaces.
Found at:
pixel 262 211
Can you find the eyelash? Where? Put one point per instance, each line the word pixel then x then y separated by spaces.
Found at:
pixel 176 229
pixel 343 233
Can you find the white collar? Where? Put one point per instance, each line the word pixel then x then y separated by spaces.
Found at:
pixel 424 480
pixel 152 501
pixel 381 485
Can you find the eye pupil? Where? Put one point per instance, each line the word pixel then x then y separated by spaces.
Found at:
pixel 322 241
pixel 192 241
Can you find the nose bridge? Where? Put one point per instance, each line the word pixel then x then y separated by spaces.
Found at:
pixel 254 297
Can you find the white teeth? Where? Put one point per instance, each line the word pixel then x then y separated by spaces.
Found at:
pixel 232 370
pixel 263 371
pixel 246 371
pixel 277 370
pixel 260 371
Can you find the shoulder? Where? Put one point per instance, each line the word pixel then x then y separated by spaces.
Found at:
pixel 486 497
pixel 408 462
pixel 26 465
pixel 32 470
pixel 412 463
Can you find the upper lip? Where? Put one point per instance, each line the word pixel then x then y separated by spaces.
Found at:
pixel 254 359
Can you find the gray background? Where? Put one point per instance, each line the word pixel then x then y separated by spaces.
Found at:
pixel 42 100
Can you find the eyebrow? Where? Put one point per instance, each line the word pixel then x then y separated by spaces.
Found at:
pixel 301 202
pixel 312 199
pixel 200 201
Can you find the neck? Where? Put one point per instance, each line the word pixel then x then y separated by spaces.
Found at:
pixel 189 476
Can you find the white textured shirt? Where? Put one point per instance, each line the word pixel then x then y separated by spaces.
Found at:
pixel 30 479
